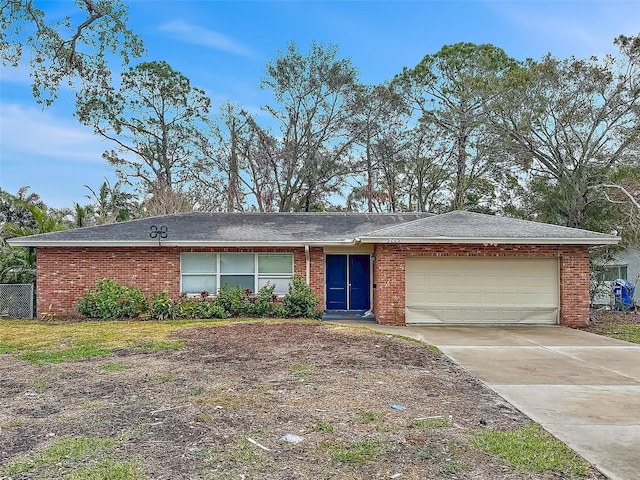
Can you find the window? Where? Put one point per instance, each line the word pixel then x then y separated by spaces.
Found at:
pixel 614 272
pixel 238 269
pixel 251 271
pixel 198 272
pixel 276 269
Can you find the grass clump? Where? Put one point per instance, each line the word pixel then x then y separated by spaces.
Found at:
pixel 430 423
pixel 326 427
pixel 302 370
pixel 353 453
pixel 531 449
pixel 369 417
pixel 114 367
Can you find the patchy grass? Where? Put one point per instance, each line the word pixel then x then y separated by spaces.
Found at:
pixel 40 385
pixel 114 367
pixel 353 453
pixel 80 352
pixel 302 370
pixel 107 469
pixel 326 427
pixel 531 449
pixel 430 423
pixel 61 450
pixel 629 332
pixel 369 417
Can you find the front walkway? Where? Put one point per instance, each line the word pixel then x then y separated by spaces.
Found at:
pixel 581 387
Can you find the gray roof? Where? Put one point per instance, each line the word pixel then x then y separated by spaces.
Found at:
pixel 296 229
pixel 199 228
pixel 460 225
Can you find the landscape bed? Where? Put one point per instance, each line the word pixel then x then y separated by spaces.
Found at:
pixel 220 400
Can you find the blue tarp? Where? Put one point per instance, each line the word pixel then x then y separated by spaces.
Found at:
pixel 623 291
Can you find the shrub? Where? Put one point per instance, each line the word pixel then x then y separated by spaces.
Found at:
pixel 191 308
pixel 300 302
pixel 234 300
pixel 162 307
pixel 263 304
pixel 110 300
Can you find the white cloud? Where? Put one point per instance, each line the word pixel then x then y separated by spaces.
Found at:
pixel 189 33
pixel 572 28
pixel 33 132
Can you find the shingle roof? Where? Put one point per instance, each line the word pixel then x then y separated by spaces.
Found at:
pixel 227 229
pixel 460 225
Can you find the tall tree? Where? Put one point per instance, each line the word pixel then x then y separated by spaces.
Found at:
pixel 571 124
pixel 76 48
pixel 449 91
pixel 313 93
pixel 379 130
pixel 155 121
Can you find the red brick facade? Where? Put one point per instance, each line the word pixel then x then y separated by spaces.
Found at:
pixel 65 272
pixel 388 297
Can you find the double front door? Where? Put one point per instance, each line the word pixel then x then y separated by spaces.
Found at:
pixel 348 280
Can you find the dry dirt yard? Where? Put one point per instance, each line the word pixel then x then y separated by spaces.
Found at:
pixel 219 407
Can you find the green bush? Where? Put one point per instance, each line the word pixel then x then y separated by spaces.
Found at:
pixel 300 302
pixel 162 307
pixel 190 308
pixel 263 304
pixel 235 301
pixel 109 300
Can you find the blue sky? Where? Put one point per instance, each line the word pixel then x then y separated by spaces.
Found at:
pixel 223 47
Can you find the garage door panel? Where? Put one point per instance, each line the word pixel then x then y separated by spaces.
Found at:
pixel 481 290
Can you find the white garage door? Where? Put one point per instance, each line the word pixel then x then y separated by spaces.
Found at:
pixel 481 290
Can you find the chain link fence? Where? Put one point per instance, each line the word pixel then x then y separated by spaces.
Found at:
pixel 16 300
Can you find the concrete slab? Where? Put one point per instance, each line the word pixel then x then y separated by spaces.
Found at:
pixel 531 365
pixel 624 360
pixel 576 404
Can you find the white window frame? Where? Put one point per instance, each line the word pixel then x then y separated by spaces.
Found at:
pixel 257 276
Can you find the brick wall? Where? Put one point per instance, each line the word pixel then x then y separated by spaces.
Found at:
pixel 65 272
pixel 388 297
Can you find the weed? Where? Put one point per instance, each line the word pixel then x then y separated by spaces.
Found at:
pixel 13 424
pixel 114 367
pixel 80 352
pixel 452 467
pixel 531 449
pixel 303 370
pixel 426 453
pixel 430 423
pixel 197 390
pixel 326 427
pixel 353 453
pixel 40 386
pixel 369 417
pixel 170 377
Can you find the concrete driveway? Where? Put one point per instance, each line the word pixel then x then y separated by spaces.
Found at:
pixel 581 387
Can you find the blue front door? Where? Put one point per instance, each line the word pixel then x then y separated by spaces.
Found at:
pixel 347 278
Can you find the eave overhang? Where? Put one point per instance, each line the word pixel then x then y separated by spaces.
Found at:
pixel 491 240
pixel 17 242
